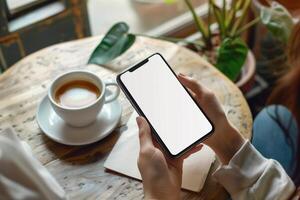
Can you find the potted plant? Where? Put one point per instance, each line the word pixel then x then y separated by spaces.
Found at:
pixel 270 48
pixel 224 48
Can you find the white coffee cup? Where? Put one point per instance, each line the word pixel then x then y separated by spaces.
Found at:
pixel 85 115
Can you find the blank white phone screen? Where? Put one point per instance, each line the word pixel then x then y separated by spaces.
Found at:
pixel 166 104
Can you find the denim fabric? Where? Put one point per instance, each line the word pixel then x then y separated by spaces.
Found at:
pixel 275 135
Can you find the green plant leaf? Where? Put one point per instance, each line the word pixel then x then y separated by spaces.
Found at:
pixel 231 57
pixel 209 20
pixel 219 18
pixel 278 21
pixel 244 12
pixel 115 42
pixel 200 24
pixel 247 26
pixel 230 16
pixel 224 10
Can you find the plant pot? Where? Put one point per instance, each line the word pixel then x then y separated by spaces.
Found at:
pixel 246 78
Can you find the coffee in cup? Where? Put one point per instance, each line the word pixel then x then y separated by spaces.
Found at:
pixel 77 93
pixel 78 96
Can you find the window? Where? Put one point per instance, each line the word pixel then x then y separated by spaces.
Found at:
pixel 18 7
pixel 22 13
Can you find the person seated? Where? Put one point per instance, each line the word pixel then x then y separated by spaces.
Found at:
pixel 276 127
pixel 245 172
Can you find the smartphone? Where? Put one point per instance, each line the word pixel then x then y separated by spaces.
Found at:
pixel 176 120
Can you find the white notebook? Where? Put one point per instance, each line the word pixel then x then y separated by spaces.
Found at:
pixel 123 159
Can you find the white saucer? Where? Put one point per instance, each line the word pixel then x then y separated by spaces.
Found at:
pixel 55 128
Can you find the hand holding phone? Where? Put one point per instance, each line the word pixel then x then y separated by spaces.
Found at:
pixel 226 140
pixel 176 120
pixel 165 183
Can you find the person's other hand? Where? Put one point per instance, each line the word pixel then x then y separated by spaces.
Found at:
pixel 225 140
pixel 161 176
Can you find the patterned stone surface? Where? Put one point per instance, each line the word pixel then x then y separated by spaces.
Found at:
pixel 80 169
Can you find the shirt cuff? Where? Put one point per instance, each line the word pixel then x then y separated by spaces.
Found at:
pixel 244 168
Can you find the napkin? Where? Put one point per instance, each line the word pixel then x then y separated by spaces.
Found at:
pixel 21 175
pixel 123 159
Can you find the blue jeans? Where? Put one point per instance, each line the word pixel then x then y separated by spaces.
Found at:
pixel 275 136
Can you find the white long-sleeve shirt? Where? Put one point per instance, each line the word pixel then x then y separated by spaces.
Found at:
pixel 249 176
pixel 21 175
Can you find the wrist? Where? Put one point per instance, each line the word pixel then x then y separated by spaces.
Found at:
pixel 227 143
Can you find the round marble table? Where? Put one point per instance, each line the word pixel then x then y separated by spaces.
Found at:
pixel 79 169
